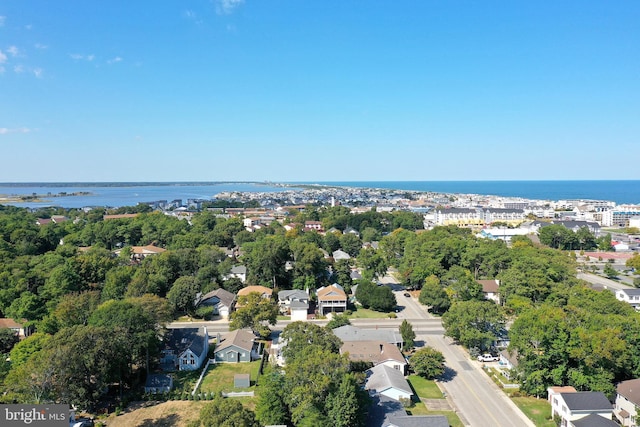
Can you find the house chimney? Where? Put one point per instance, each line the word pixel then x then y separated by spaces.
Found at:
pixel 218 338
pixel 381 348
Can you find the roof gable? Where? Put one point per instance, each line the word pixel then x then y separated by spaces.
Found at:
pixel 587 401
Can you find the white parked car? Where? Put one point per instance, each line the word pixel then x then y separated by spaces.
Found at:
pixel 488 358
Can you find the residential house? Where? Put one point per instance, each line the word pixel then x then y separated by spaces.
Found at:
pixel 331 299
pixel 351 230
pixel 158 383
pixel 630 296
pixel 295 303
pixel 388 382
pixel 375 352
pixel 185 348
pixel 627 402
pixel 220 299
pixel 237 346
pixel 340 255
pixel 313 225
pixel 138 253
pixel 387 412
pixel 593 420
pixel 353 333
pixel 262 290
pixel 552 392
pixel 237 271
pixel 508 361
pixel 17 328
pixel 576 405
pixel 491 289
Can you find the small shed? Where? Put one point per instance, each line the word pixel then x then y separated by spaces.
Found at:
pixel 242 381
pixel 158 383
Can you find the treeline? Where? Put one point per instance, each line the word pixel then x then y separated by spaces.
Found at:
pixel 58 278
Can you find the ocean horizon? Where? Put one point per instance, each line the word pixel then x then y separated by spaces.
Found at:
pixel 114 194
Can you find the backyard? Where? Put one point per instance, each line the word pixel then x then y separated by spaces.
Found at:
pixel 219 376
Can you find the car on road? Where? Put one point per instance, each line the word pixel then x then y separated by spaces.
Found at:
pixel 407 294
pixel 486 357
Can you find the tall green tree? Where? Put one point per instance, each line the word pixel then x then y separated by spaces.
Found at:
pixel 474 323
pixel 255 312
pixel 408 334
pixel 428 363
pixel 271 408
pixel 434 296
pixel 346 406
pixel 221 412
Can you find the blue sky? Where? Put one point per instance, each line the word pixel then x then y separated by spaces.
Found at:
pixel 290 90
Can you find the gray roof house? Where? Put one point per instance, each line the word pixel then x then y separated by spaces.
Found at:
pixel 593 420
pixel 388 382
pixel 185 348
pixel 575 405
pixel 353 333
pixel 158 383
pixel 236 346
pixel 221 299
pixel 386 412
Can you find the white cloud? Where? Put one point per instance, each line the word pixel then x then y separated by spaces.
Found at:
pixel 190 14
pixel 79 57
pixel 1 69
pixel 28 26
pixel 3 58
pixel 40 46
pixel 226 7
pixel 13 50
pixel 114 60
pixel 6 131
pixel 2 19
pixel 37 72
pixel 19 69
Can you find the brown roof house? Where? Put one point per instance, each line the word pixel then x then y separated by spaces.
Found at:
pixel 627 402
pixel 375 352
pixel 331 299
pixel 8 323
pixel 265 292
pixel 491 289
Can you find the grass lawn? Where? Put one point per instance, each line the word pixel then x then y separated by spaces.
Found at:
pixel 538 410
pixel 425 388
pixel 219 377
pixel 420 409
pixel 185 380
pixel 365 313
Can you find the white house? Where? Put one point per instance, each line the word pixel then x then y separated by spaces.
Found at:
pixel 627 402
pixel 388 382
pixel 491 289
pixel 630 296
pixel 185 348
pixel 574 406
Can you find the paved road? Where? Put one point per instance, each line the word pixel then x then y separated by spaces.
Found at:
pixel 601 281
pixel 476 399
